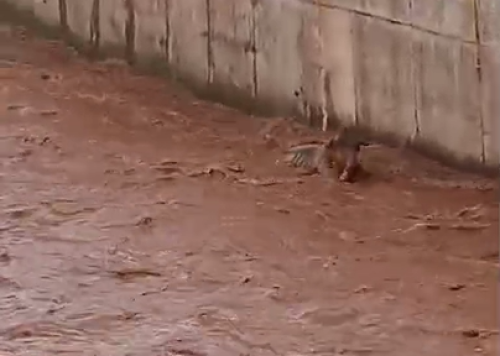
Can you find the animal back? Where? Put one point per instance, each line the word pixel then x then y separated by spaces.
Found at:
pixel 305 156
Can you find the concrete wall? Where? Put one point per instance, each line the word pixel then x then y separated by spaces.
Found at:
pixel 424 71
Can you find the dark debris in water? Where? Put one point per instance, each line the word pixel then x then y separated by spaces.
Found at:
pixel 131 273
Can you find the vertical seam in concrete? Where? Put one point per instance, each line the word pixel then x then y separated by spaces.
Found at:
pixel 63 16
pixel 168 33
pixel 479 72
pixel 356 66
pixel 130 32
pixel 414 77
pixel 253 29
pixel 334 119
pixel 324 80
pixel 415 49
pixel 210 57
pixel 95 26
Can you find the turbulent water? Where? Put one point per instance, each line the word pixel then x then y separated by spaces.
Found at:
pixel 138 220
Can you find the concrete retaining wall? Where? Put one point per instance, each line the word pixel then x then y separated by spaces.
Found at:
pixel 424 71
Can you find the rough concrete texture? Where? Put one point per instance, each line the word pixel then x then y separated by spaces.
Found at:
pixel 398 10
pixel 489 21
pixel 420 70
pixel 112 19
pixel 79 15
pixel 278 28
pixel 448 95
pixel 151 28
pixel 491 101
pixel 388 9
pixel 489 50
pixel 346 5
pixel 232 54
pixel 47 11
pixel 454 18
pixel 383 73
pixel 188 43
pixel 328 71
pixel 25 4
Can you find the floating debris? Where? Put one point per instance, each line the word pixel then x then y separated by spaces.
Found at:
pixel 129 273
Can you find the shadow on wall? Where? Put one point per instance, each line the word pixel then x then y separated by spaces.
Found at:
pixel 416 72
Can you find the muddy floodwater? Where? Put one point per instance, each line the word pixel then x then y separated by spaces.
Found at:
pixel 139 220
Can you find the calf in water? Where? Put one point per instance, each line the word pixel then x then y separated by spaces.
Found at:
pixel 338 157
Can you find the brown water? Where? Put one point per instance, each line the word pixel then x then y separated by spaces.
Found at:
pixel 109 247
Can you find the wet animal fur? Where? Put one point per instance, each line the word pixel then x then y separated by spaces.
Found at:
pixel 338 157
